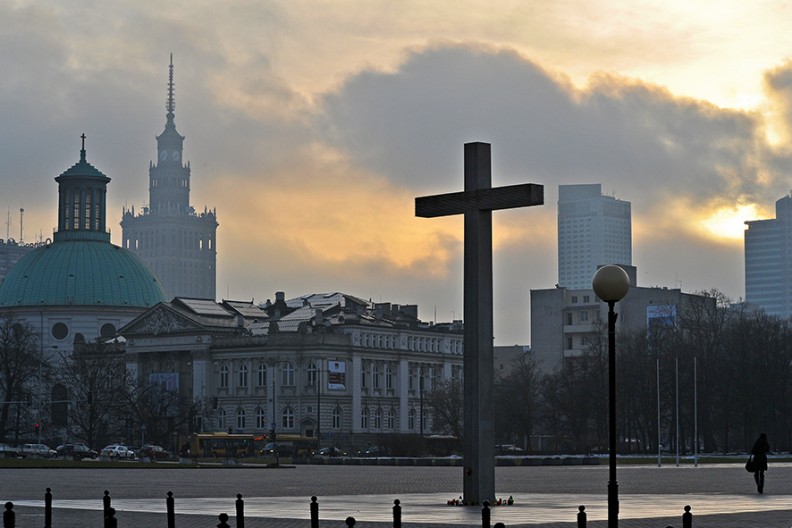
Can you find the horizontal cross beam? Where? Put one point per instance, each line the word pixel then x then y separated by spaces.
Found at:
pixel 507 197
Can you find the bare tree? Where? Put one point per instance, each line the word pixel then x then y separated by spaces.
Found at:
pixel 20 365
pixel 446 402
pixel 95 376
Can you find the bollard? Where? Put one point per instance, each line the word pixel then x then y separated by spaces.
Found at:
pixel 350 522
pixel 110 520
pixel 314 513
pixel 396 513
pixel 48 509
pixel 581 518
pixel 171 510
pixel 240 511
pixel 485 515
pixel 9 517
pixel 105 506
pixel 687 518
pixel 223 521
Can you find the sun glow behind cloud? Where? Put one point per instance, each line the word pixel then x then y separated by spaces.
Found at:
pixel 728 223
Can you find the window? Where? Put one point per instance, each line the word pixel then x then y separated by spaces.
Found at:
pixel 221 418
pixel 569 343
pixel 364 418
pixel 261 419
pixel 375 376
pixel 574 299
pixel 287 375
pixel 586 298
pixel 224 377
pixel 312 371
pixel 241 419
pixel 364 375
pixel 261 375
pixel 288 418
pixel 411 379
pixel 411 420
pixel 108 330
pixel 584 316
pixel 389 419
pixel 377 418
pixel 337 418
pixel 243 376
pixel 60 331
pixel 388 377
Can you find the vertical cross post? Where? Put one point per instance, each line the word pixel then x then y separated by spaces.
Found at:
pixel 477 202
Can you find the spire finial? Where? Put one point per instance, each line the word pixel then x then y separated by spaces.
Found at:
pixel 82 150
pixel 171 105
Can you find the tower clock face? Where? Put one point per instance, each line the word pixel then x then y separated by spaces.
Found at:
pixel 163 155
pixel 175 155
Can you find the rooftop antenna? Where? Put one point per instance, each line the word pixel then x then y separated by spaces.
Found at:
pixel 21 218
pixel 170 106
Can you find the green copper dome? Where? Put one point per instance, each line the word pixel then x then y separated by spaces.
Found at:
pixel 80 273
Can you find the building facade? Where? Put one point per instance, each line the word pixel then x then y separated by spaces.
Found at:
pixel 178 243
pixel 768 261
pixel 328 365
pixel 593 230
pixel 565 322
pixel 12 251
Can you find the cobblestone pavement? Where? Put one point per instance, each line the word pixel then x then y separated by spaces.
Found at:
pixel 720 496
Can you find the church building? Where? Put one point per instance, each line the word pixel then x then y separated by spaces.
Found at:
pixel 178 243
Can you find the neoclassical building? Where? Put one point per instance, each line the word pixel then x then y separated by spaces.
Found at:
pixel 327 365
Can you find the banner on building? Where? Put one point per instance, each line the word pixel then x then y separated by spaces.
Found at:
pixel 164 388
pixel 336 375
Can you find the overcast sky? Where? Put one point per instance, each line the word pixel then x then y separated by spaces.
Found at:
pixel 311 126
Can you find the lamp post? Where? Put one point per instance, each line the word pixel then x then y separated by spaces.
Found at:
pixel 611 284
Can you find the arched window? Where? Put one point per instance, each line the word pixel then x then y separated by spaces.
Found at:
pixel 287 374
pixel 364 418
pixel 221 418
pixel 241 419
pixel 288 418
pixel 389 420
pixel 261 375
pixel 337 418
pixel 243 375
pixel 224 377
pixel 411 420
pixel 377 418
pixel 261 419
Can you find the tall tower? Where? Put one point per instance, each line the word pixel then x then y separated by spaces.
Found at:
pixel 768 265
pixel 175 241
pixel 592 230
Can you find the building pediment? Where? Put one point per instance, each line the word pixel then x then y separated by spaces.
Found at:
pixel 161 320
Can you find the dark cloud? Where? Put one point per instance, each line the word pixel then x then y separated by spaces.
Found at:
pixel 636 138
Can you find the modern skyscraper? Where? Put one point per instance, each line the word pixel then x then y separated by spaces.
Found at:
pixel 175 241
pixel 593 230
pixel 768 261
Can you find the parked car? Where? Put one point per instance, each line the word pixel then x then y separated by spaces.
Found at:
pixel 36 450
pixel 154 452
pixel 331 452
pixel 76 451
pixel 283 449
pixel 117 451
pixel 375 451
pixel 6 451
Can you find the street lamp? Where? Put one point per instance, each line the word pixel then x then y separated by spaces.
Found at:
pixel 611 284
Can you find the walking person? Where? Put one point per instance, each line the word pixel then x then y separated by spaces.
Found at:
pixel 759 452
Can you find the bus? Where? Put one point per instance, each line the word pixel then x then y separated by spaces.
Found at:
pixel 226 445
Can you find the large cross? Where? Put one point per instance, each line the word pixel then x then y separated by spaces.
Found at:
pixel 477 202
